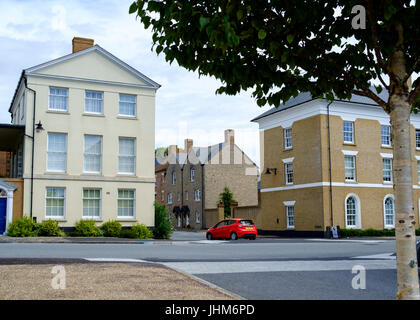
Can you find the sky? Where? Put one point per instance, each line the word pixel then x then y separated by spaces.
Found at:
pixel 36 31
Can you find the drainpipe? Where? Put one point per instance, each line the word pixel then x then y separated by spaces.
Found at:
pixel 182 194
pixel 33 145
pixel 203 216
pixel 329 163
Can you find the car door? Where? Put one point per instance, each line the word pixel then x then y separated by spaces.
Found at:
pixel 220 229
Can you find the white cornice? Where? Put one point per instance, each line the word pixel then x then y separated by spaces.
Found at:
pixel 348 111
pixel 350 152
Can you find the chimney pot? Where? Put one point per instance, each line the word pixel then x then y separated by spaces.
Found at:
pixel 80 44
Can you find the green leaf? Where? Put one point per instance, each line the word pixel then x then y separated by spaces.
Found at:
pixel 204 21
pixel 290 38
pixel 262 34
pixel 239 14
pixel 133 8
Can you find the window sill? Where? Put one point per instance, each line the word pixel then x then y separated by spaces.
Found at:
pixel 349 143
pixel 350 181
pixel 101 115
pixel 287 149
pixel 56 172
pixel 99 174
pixel 290 228
pixel 55 219
pixel 119 174
pixel 126 219
pixel 126 117
pixel 89 218
pixel 386 147
pixel 388 183
pixel 58 111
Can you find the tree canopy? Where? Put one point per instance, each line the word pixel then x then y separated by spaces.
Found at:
pixel 280 48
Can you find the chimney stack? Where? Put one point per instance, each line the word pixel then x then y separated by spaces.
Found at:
pixel 172 150
pixel 229 136
pixel 188 144
pixel 81 44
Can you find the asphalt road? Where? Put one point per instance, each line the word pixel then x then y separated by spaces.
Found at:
pixel 260 269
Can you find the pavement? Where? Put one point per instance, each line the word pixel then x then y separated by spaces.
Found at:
pixel 267 268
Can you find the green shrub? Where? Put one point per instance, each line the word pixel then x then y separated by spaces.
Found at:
pixel 367 233
pixel 23 227
pixel 111 228
pixel 163 226
pixel 137 231
pixel 86 228
pixel 50 228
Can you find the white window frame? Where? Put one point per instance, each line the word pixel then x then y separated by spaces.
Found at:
pixel 133 157
pixel 64 204
pixel 192 174
pixel 353 168
pixel 129 199
pixel 100 204
pixel 386 159
pixel 179 196
pixel 94 99
pixel 162 195
pixel 60 152
pixel 100 155
pixel 288 173
pixel 287 133
pixel 388 136
pixel 197 216
pixel 170 198
pixel 352 132
pixel 56 95
pixel 389 226
pixel 173 177
pixel 290 213
pixel 358 214
pixel 186 195
pixel 418 171
pixel 135 106
pixel 197 195
pixel 417 139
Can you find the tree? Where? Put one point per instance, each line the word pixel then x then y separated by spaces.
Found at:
pixel 328 48
pixel 226 198
pixel 161 152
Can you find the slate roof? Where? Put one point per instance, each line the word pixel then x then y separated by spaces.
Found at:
pixel 306 97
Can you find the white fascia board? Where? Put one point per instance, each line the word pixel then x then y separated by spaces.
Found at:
pixel 348 111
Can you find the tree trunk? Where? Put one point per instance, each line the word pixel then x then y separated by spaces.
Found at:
pixel 405 237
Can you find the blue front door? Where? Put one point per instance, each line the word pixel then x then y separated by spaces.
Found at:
pixel 3 203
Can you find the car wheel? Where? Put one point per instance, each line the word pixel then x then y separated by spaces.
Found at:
pixel 209 236
pixel 233 236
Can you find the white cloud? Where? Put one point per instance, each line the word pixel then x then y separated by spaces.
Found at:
pixel 32 32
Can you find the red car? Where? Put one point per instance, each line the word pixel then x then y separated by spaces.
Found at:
pixel 233 229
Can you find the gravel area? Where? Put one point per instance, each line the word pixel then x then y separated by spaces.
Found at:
pixel 103 281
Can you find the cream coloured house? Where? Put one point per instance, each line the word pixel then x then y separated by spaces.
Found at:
pixel 87 145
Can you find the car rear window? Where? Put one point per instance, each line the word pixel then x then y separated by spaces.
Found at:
pixel 246 222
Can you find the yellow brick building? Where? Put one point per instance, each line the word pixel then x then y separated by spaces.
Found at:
pixel 329 164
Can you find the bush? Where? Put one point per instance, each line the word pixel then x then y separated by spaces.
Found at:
pixel 163 226
pixel 367 233
pixel 23 227
pixel 86 228
pixel 111 228
pixel 50 228
pixel 137 231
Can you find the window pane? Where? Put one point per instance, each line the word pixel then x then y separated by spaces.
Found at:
pixel 348 131
pixel 387 170
pixel 57 152
pixel 350 169
pixel 54 202
pixel 351 212
pixel 386 135
pixel 93 154
pixel 93 102
pixel 91 203
pixel 127 105
pixel 58 99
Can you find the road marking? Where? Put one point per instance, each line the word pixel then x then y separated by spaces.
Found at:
pixel 209 241
pixel 277 266
pixel 115 260
pixel 385 256
pixel 347 240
